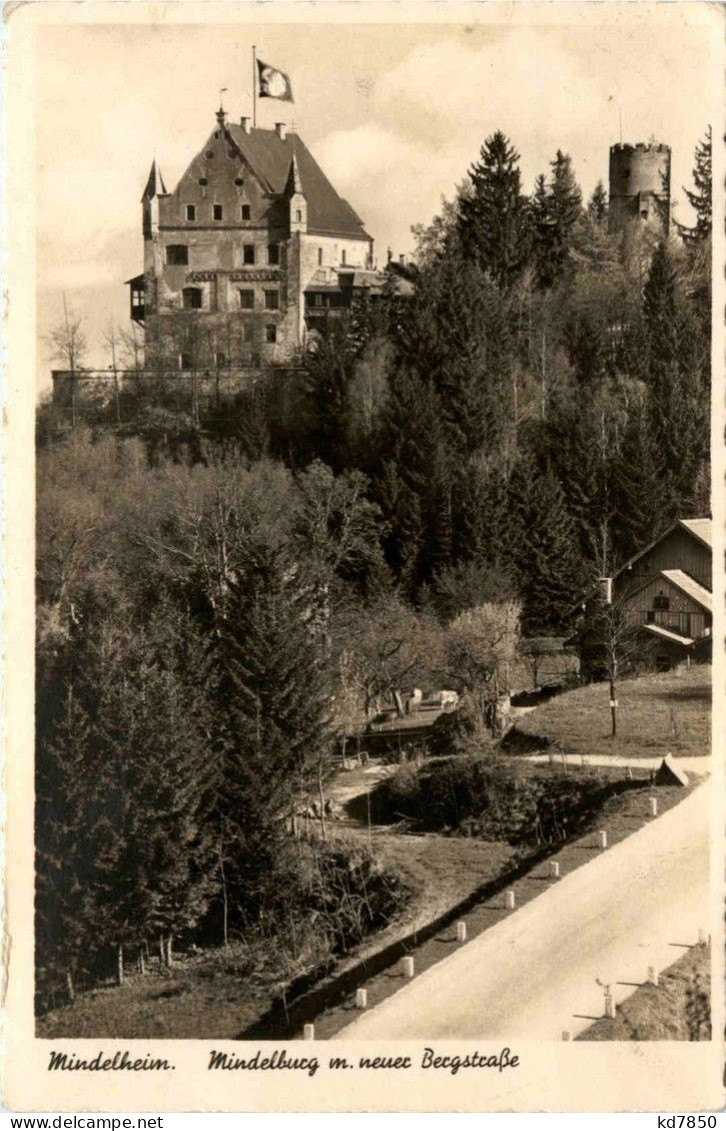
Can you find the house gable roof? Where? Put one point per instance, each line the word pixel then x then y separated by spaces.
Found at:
pixel 690 587
pixel 271 158
pixel 699 528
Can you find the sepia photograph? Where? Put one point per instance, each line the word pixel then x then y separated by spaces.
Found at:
pixel 374 535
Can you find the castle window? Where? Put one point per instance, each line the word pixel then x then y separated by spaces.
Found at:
pixel 177 255
pixel 271 333
pixel 246 300
pixel 298 216
pixel 192 298
pixel 238 181
pixel 231 152
pixel 217 212
pixel 342 258
pixel 661 603
pixel 248 253
pixel 203 181
pixel 221 360
pixel 246 212
pixel 320 257
pixel 272 300
pixel 273 254
pixel 191 212
pixel 185 361
pixel 209 154
pixel 247 332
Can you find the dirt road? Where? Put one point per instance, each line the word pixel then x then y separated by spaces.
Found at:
pixel 535 975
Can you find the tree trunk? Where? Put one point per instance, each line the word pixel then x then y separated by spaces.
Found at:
pixel 119 965
pixel 225 902
pixel 116 398
pixel 170 950
pixel 162 951
pixel 613 709
pixel 69 987
pixel 323 830
pixel 142 960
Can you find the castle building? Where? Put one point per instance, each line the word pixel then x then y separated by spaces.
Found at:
pixel 254 248
pixel 640 186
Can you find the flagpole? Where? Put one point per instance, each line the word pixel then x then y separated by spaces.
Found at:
pixel 254 85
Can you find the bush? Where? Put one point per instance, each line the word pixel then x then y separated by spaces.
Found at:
pixel 493 799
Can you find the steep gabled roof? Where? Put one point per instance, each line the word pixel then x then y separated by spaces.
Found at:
pixel 690 587
pixel 155 184
pixel 700 528
pixel 271 156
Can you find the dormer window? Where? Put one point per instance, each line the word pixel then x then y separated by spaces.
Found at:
pixel 177 255
pixel 191 212
pixel 217 212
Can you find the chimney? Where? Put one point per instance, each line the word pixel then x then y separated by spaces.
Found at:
pixel 281 130
pixel 245 124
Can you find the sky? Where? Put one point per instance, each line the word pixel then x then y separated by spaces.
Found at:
pixel 394 112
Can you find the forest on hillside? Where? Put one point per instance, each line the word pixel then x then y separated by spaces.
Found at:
pixel 222 593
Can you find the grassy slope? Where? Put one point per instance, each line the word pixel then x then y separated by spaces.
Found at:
pixel 657 1013
pixel 656 714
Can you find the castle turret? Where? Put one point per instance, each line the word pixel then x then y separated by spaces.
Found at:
pixel 640 186
pixel 297 203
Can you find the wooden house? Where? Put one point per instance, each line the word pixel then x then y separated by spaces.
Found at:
pixel 664 591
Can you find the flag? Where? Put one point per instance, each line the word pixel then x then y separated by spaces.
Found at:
pixel 273 83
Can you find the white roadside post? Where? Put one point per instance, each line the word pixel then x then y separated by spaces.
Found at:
pixel 361 999
pixel 653 975
pixel 461 931
pixel 566 1035
pixel 609 1005
pixel 308 1032
pixel 603 838
pixel 555 869
pixel 653 802
pixel 510 900
pixel 408 966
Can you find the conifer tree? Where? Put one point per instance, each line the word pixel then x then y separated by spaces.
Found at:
pixel 494 217
pixel 414 480
pixel 329 369
pixel 66 870
pixel 660 308
pixel 637 486
pixel 557 208
pixel 597 208
pixel 700 198
pixel 276 708
pixel 544 548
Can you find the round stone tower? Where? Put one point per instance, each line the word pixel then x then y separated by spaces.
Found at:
pixel 640 185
